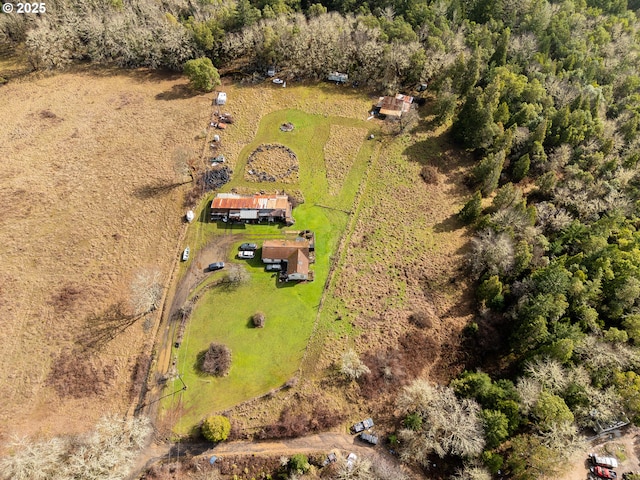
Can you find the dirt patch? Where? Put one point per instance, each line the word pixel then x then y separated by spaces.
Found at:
pixel 78 148
pixel 340 152
pixel 625 446
pixel 272 163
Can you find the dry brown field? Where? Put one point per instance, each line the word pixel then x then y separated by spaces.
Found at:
pixel 77 224
pixel 78 220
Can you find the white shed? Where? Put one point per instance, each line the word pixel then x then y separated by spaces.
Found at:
pixel 221 98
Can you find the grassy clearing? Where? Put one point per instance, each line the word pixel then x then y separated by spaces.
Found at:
pixel 340 151
pixel 78 150
pixel 400 258
pixel 264 359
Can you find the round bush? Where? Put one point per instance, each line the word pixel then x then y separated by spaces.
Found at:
pixel 258 319
pixel 216 428
pixel 216 360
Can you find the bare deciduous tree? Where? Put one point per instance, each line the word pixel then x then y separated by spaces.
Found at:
pixel 237 275
pixel 450 426
pixel 146 291
pixel 492 252
pixel 549 373
pixel 384 469
pixel 358 469
pixel 216 360
pixel 352 367
pixel 472 472
pixel 528 391
pixel 106 453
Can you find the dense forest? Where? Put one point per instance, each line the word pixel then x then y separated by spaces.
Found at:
pixel 547 97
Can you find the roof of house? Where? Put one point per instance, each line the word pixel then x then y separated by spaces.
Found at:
pixel 283 249
pixel 254 202
pixel 298 262
pixel 395 106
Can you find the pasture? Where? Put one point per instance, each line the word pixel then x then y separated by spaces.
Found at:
pixel 79 150
pixel 264 359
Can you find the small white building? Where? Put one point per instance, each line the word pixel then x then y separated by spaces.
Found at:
pixel 221 98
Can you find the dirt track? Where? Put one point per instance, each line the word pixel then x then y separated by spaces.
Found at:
pixel 322 442
pixel 319 443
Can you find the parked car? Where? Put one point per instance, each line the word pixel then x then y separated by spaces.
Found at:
pixel 216 266
pixel 246 254
pixel 185 254
pixel 361 426
pixel 248 246
pixel 271 71
pixel 369 438
pixel 607 462
pixel 351 458
pixel 273 267
pixel 603 473
pixel 331 458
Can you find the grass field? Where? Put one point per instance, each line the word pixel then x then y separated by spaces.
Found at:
pixel 264 359
pixel 77 150
pixel 403 255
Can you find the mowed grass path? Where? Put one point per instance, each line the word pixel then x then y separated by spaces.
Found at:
pixel 264 359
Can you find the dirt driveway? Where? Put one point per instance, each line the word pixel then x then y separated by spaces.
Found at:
pixel 626 447
pixel 321 442
pixel 216 250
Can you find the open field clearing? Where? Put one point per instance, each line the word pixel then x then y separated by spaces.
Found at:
pixel 340 152
pixel 403 251
pixel 264 359
pixel 77 223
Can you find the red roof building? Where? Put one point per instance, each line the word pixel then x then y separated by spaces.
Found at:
pixel 231 207
pixel 396 106
pixel 295 253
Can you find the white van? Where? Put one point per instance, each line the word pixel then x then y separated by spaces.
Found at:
pixel 607 462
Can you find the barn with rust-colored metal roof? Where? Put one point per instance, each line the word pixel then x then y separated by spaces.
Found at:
pixel 394 107
pixel 231 207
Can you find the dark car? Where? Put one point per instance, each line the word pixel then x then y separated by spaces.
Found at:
pixel 367 437
pixel 273 267
pixel 331 458
pixel 216 266
pixel 248 246
pixel 603 473
pixel 363 425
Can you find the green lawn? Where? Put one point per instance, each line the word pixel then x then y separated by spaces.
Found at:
pixel 264 359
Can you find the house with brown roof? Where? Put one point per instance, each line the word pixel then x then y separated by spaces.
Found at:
pixel 295 253
pixel 231 207
pixel 394 107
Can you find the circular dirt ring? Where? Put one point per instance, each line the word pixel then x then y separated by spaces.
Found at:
pixel 272 163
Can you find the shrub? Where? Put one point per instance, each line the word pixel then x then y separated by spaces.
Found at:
pixel 472 209
pixel 429 174
pixel 258 319
pixel 237 276
pixel 216 428
pixel 352 367
pixel 421 319
pixel 216 360
pixel 493 461
pixel 299 463
pixel 413 421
